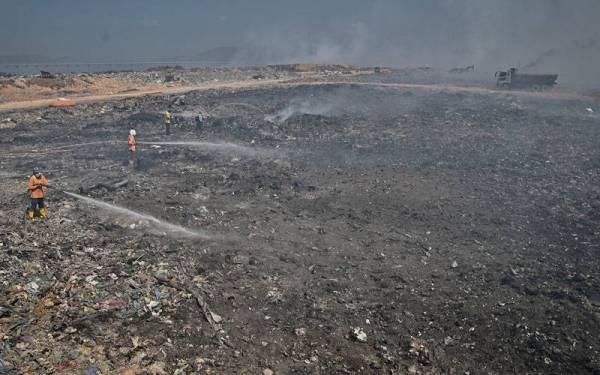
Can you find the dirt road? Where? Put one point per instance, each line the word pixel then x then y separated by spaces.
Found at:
pixel 289 83
pixel 9 106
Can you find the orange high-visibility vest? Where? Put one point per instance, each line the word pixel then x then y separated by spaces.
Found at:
pixel 131 142
pixel 37 192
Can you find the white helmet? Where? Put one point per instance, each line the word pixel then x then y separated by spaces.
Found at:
pixel 132 132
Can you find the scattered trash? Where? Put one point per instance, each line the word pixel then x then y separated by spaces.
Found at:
pixel 44 304
pixel 5 366
pixel 32 288
pixel 418 349
pixel 300 332
pixel 448 341
pixel 358 334
pixel 179 101
pixel 157 368
pixel 216 318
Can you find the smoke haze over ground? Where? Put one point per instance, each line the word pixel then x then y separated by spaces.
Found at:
pixel 342 101
pixel 540 35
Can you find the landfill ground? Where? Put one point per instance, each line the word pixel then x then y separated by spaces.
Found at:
pixel 27 91
pixel 342 229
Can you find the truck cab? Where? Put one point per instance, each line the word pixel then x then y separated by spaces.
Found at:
pixel 504 78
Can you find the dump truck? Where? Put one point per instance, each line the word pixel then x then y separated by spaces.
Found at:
pixel 513 79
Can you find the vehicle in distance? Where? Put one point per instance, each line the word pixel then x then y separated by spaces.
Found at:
pixel 513 79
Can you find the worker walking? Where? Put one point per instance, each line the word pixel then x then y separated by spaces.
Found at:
pixel 131 144
pixel 36 185
pixel 168 118
pixel 199 121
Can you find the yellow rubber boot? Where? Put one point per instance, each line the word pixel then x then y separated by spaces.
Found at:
pixel 43 213
pixel 30 214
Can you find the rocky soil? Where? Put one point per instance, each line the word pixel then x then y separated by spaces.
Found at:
pixel 31 87
pixel 356 230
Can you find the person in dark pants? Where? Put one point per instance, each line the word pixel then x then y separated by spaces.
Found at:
pixel 36 185
pixel 168 119
pixel 199 121
pixel 132 146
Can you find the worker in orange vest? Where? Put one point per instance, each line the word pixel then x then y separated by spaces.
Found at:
pixel 131 143
pixel 36 185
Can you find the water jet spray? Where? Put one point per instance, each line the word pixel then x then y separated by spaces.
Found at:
pixel 213 146
pixel 169 229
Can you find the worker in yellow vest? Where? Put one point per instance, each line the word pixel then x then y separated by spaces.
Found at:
pixel 168 118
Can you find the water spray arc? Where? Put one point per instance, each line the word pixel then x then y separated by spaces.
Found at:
pixel 168 228
pixel 242 105
pixel 218 147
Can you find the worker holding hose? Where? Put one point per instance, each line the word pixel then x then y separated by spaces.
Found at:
pixel 131 144
pixel 36 185
pixel 168 118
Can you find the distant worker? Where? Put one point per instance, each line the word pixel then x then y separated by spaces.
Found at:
pixel 168 118
pixel 36 185
pixel 199 121
pixel 131 144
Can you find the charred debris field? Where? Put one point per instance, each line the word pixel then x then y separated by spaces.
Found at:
pixel 345 229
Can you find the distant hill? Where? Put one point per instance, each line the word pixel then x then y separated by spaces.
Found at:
pixel 32 59
pixel 218 54
pixel 264 54
pixel 230 55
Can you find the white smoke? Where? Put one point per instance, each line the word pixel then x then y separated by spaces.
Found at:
pixel 301 106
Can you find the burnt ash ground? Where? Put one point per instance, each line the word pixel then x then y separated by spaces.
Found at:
pixel 359 215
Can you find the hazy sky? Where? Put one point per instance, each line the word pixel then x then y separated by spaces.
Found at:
pixel 562 35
